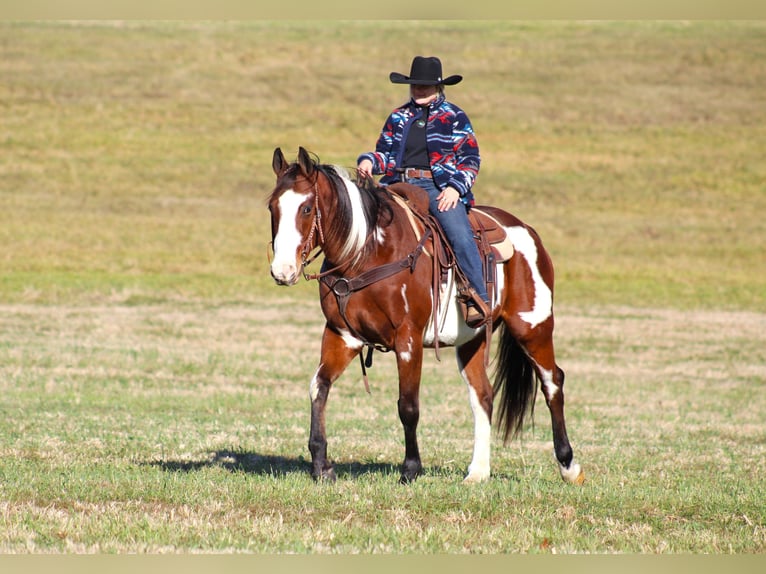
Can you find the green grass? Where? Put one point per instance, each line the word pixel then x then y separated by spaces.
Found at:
pixel 155 381
pixel 175 428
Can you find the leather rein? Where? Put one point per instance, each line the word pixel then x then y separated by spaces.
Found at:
pixel 342 287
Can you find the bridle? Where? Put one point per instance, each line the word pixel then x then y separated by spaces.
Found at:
pixel 342 287
pixel 306 246
pixel 316 227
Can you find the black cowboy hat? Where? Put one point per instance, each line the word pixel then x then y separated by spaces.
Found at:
pixel 425 72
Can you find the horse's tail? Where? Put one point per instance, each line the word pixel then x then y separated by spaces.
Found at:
pixel 516 383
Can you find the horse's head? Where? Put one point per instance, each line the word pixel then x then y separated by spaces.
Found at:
pixel 294 215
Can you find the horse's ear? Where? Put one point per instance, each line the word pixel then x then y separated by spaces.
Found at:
pixel 305 162
pixel 279 163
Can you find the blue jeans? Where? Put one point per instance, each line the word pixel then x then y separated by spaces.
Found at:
pixel 458 231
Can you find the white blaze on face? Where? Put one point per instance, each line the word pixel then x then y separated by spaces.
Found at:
pixel 285 266
pixel 524 243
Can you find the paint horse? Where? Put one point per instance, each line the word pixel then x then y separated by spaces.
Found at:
pixel 364 232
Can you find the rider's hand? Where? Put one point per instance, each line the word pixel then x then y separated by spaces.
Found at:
pixel 365 168
pixel 448 198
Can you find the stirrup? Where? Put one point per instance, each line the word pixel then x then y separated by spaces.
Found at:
pixel 477 312
pixel 473 317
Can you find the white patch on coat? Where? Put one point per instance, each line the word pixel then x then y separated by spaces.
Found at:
pixel 406 356
pixel 542 308
pixel 452 328
pixel 351 341
pixel 314 386
pixel 548 385
pixel 404 298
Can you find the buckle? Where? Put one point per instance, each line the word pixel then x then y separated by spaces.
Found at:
pixel 412 172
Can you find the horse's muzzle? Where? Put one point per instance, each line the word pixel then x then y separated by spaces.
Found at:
pixel 286 275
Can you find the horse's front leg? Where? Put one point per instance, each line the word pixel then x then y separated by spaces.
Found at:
pixel 409 360
pixel 335 357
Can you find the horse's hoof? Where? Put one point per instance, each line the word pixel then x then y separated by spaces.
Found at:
pixel 573 475
pixel 327 475
pixel 475 479
pixel 477 472
pixel 408 478
pixel 410 472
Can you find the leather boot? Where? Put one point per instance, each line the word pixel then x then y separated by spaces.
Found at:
pixel 477 312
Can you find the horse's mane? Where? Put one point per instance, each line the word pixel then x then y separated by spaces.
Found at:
pixel 375 200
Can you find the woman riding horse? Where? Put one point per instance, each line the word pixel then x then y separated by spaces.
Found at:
pixel 429 142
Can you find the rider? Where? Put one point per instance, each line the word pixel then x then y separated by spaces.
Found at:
pixel 429 142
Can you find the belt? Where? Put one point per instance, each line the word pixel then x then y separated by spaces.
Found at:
pixel 413 173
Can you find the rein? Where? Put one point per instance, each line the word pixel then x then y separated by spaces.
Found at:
pixel 322 274
pixel 343 287
pixel 316 226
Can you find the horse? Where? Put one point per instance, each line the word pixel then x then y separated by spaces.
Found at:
pixel 364 233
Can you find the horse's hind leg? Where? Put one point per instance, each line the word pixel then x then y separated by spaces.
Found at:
pixel 552 379
pixel 470 359
pixel 336 355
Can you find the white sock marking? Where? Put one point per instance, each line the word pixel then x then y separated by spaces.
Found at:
pixel 479 469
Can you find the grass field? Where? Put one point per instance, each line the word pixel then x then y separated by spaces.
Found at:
pixel 155 381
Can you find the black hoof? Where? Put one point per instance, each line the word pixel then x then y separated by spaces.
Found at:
pixel 410 471
pixel 326 475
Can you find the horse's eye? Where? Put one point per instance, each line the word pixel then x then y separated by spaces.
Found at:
pixel 306 210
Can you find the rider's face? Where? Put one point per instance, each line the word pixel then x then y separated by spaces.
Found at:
pixel 423 95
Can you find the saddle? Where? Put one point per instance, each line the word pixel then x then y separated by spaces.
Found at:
pixel 491 239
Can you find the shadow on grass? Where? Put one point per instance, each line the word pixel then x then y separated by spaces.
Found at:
pixel 271 465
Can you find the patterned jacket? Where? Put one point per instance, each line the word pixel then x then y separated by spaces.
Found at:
pixel 452 147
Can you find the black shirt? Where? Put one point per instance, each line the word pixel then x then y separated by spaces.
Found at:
pixel 415 149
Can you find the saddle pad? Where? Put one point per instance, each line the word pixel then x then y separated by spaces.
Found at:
pixel 493 231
